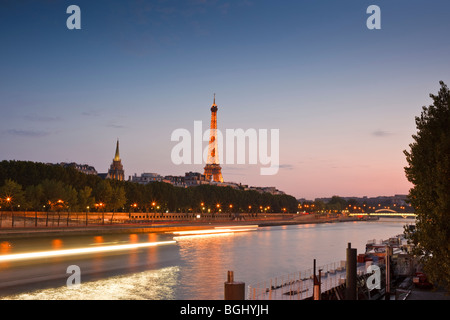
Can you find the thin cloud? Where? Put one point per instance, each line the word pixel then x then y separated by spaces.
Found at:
pixel 27 133
pixel 91 113
pixel 40 118
pixel 115 126
pixel 286 166
pixel 350 166
pixel 381 133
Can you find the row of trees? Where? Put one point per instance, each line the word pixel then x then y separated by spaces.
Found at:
pixel 53 195
pixel 338 204
pixel 44 187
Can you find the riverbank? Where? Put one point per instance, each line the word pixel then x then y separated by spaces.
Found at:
pixel 11 233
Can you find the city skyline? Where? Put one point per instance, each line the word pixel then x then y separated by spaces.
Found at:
pixel 343 97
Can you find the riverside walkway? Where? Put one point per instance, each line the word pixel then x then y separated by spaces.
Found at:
pixel 145 226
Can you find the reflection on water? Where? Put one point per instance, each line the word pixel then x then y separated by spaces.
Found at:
pixel 147 285
pixel 98 240
pixel 205 261
pixel 5 247
pixel 57 244
pixel 196 267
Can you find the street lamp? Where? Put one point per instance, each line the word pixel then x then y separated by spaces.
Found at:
pixel 101 205
pixel 8 200
pixel 87 210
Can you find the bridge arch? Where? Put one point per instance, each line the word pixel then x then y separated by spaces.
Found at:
pixel 386 210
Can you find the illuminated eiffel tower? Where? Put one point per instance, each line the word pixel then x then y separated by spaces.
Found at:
pixel 213 171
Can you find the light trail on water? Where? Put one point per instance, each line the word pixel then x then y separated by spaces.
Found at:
pixel 67 252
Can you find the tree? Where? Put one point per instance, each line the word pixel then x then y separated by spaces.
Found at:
pixel 70 199
pixel 53 194
pixel 85 198
pixel 319 205
pixel 337 203
pixel 34 195
pixel 429 171
pixel 11 194
pixel 103 194
pixel 118 199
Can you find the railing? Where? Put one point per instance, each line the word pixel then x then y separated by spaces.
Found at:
pixel 300 285
pixel 43 219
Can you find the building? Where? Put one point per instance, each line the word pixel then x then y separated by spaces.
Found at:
pixel 271 190
pixel 379 201
pixel 213 171
pixel 116 171
pixel 84 168
pixel 192 179
pixel 145 178
pixel 177 181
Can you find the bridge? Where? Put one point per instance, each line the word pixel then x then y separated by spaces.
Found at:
pixel 385 213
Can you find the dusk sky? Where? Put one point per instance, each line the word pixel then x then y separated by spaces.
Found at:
pixel 343 97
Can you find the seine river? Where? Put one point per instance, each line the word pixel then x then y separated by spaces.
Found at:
pixel 190 268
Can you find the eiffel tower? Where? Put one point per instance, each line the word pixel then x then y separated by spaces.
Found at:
pixel 213 171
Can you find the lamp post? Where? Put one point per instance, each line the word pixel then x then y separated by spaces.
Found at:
pixel 101 205
pixel 8 200
pixel 218 207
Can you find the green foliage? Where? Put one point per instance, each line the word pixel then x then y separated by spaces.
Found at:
pixel 47 184
pixel 11 194
pixel 85 199
pixel 337 203
pixel 118 198
pixel 34 196
pixel 429 171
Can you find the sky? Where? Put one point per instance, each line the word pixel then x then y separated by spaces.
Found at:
pixel 343 96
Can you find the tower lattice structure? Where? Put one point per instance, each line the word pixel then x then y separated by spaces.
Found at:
pixel 213 171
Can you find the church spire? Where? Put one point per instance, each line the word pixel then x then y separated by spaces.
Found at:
pixel 117 157
pixel 115 171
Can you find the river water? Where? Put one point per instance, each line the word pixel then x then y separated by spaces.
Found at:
pixel 191 268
